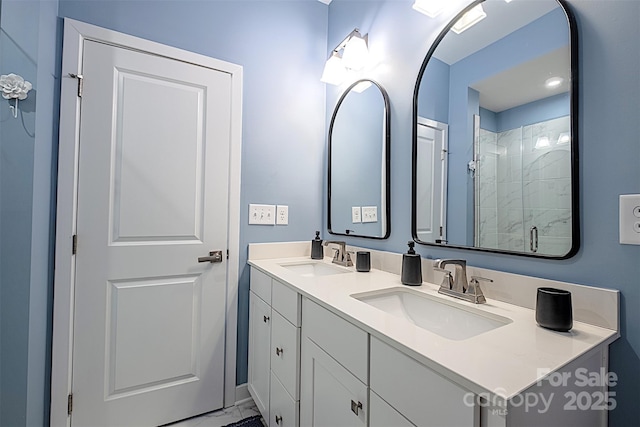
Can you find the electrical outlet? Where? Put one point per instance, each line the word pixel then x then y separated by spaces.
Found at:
pixel 262 214
pixel 369 214
pixel 630 219
pixel 282 215
pixel 356 214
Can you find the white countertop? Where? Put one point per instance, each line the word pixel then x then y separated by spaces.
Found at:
pixel 504 361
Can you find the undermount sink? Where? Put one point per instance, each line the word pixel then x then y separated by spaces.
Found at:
pixel 314 268
pixel 449 320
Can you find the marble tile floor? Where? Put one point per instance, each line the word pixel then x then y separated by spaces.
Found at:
pixel 222 417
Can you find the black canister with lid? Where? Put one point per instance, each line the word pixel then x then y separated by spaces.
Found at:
pixel 411 267
pixel 317 250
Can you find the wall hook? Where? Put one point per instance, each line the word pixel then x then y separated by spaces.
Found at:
pixel 14 87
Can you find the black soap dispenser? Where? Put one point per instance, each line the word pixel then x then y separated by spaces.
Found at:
pixel 411 267
pixel 317 250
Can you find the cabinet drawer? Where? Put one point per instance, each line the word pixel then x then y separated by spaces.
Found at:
pixel 285 345
pixel 286 301
pixel 260 284
pixel 284 410
pixel 424 397
pixel 343 341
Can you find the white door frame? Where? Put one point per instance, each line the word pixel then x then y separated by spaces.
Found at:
pixel 75 33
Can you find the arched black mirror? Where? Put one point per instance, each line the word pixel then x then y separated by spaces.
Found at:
pixel 495 132
pixel 359 168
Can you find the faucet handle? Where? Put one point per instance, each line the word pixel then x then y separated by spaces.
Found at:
pixel 475 291
pixel 447 280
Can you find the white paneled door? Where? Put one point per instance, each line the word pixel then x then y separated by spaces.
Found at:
pixel 149 322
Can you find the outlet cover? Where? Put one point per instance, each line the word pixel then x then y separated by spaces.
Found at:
pixel 282 215
pixel 356 214
pixel 262 214
pixel 630 219
pixel 369 214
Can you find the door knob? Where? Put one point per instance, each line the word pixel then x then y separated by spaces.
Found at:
pixel 214 256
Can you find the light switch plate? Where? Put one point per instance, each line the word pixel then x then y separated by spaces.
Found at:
pixel 369 214
pixel 630 219
pixel 356 214
pixel 262 214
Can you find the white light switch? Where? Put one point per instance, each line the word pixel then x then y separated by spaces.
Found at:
pixel 356 214
pixel 262 214
pixel 369 214
pixel 630 219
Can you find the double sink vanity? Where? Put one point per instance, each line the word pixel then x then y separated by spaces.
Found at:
pixel 330 346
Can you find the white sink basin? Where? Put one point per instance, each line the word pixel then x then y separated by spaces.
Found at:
pixel 447 319
pixel 314 268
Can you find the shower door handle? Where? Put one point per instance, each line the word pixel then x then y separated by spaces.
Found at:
pixel 533 239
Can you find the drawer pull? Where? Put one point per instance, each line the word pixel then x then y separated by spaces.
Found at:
pixel 355 407
pixel 265 318
pixel 279 351
pixel 278 419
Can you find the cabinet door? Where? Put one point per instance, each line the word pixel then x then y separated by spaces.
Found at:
pixel 381 414
pixel 285 339
pixel 284 410
pixel 259 352
pixel 330 396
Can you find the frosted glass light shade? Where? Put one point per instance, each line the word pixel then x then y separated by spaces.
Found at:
pixel 542 142
pixel 334 71
pixel 431 8
pixel 469 19
pixel 355 53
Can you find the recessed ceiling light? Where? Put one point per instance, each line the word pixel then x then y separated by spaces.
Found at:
pixel 553 82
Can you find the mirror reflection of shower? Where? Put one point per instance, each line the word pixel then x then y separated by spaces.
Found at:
pixel 523 187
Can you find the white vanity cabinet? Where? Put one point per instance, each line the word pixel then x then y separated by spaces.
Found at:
pixel 421 395
pixel 334 373
pixel 274 350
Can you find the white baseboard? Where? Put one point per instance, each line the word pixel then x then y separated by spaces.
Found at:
pixel 242 393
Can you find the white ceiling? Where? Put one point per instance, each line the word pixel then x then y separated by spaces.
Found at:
pixel 525 82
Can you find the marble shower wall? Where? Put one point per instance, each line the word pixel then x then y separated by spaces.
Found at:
pixel 530 182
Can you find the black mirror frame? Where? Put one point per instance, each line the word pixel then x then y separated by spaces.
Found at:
pixel 387 149
pixel 575 205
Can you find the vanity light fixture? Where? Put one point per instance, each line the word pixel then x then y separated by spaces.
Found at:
pixel 564 138
pixel 354 56
pixel 362 86
pixel 542 142
pixel 553 82
pixel 469 19
pixel 431 8
pixel 334 71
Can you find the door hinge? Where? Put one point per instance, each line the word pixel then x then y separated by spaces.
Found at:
pixel 227 253
pixel 69 404
pixel 80 78
pixel 74 244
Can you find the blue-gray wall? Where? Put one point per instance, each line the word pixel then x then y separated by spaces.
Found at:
pixel 609 89
pixel 282 46
pixel 27 48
